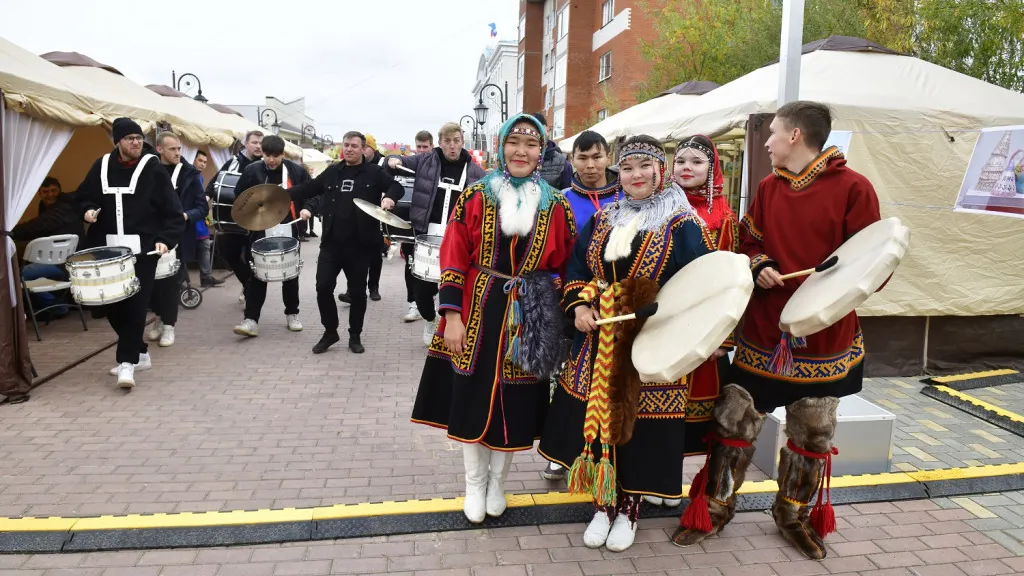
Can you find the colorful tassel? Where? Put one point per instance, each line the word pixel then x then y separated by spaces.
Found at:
pixel 781 360
pixel 604 480
pixel 581 474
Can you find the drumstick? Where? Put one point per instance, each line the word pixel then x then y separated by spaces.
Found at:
pixel 409 170
pixel 641 313
pixel 294 221
pixel 819 268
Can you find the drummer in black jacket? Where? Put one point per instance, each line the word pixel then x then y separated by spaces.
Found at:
pixel 350 236
pixel 272 169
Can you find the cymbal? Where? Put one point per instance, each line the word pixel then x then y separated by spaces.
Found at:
pixel 261 207
pixel 381 214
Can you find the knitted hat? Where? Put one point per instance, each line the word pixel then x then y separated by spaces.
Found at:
pixel 125 127
pixel 371 141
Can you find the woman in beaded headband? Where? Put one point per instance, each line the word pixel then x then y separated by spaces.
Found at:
pixel 697 171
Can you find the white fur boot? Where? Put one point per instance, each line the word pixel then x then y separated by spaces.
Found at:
pixel 597 531
pixel 499 465
pixel 475 458
pixel 622 533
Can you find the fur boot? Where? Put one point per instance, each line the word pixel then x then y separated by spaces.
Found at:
pixel 736 426
pixel 810 426
pixel 500 462
pixel 476 458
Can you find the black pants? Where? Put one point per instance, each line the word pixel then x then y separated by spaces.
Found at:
pixel 164 299
pixel 355 261
pixel 376 264
pixel 410 280
pixel 256 296
pixel 425 292
pixel 128 317
pixel 234 249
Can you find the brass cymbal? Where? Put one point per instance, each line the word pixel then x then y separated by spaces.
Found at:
pixel 381 214
pixel 261 207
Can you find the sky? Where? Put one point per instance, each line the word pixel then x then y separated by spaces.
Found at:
pixel 390 68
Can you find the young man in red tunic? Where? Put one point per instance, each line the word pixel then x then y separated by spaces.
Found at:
pixel 808 207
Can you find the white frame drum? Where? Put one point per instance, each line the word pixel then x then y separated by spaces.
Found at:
pixel 102 275
pixel 426 258
pixel 168 265
pixel 276 258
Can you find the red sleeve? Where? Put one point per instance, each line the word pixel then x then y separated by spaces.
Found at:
pixel 728 235
pixel 456 252
pixel 566 238
pixel 751 239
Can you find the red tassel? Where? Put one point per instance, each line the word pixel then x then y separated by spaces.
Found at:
pixel 781 360
pixel 699 482
pixel 823 519
pixel 697 516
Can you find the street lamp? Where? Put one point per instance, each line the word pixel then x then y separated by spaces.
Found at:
pixel 480 110
pixel 263 119
pixel 472 123
pixel 309 130
pixel 188 84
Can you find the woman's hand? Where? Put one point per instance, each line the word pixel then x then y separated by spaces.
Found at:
pixel 454 332
pixel 586 319
pixel 719 353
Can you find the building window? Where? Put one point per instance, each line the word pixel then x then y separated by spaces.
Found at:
pixel 602 114
pixel 560 78
pixel 558 126
pixel 522 28
pixel 605 67
pixel 563 23
pixel 522 65
pixel 547 62
pixel 607 12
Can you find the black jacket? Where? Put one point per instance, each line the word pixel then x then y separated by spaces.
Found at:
pixel 193 203
pixel 153 211
pixel 324 195
pixel 60 218
pixel 428 175
pixel 257 173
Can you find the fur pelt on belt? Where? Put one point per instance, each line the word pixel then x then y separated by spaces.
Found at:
pixel 541 349
pixel 624 385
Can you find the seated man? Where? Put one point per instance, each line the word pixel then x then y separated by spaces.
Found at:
pixel 57 215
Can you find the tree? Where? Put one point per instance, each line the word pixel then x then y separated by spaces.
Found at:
pixel 980 38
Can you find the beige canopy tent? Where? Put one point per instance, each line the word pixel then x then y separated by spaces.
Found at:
pixel 316 159
pixel 36 87
pixel 956 300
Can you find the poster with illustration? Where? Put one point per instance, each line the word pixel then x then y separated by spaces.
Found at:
pixel 994 182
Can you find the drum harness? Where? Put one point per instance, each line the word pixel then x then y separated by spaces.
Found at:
pixel 133 241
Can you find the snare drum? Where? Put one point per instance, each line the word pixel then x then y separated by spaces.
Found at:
pixel 102 275
pixel 168 265
pixel 276 259
pixel 224 196
pixel 426 258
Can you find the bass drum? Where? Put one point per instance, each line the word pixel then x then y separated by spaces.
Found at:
pixel 224 195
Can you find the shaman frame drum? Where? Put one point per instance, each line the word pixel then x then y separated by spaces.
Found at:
pixel 224 198
pixel 866 260
pixel 102 275
pixel 276 258
pixel 697 310
pixel 168 265
pixel 426 258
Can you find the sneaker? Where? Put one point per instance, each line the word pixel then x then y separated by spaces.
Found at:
pixel 428 331
pixel 126 375
pixel 553 472
pixel 155 331
pixel 293 323
pixel 145 363
pixel 248 327
pixel 167 338
pixel 241 297
pixel 413 314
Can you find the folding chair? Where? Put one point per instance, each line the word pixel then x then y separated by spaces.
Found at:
pixel 52 250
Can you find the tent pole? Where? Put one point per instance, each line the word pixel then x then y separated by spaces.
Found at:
pixel 789 50
pixel 924 352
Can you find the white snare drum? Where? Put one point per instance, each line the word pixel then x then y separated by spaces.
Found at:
pixel 168 264
pixel 697 309
pixel 102 275
pixel 866 260
pixel 426 258
pixel 276 259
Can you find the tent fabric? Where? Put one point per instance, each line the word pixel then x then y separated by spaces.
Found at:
pixel 75 59
pixel 38 88
pixel 315 159
pixel 31 145
pixel 914 125
pixel 219 156
pixel 692 88
pixel 622 124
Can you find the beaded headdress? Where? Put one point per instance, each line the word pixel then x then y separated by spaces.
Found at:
pixel 712 157
pixel 526 131
pixel 642 149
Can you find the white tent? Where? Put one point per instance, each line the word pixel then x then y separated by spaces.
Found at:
pixel 316 159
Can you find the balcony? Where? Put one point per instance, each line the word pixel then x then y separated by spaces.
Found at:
pixel 617 26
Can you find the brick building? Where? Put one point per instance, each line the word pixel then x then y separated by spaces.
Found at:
pixel 579 60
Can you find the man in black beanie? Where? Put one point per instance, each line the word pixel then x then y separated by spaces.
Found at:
pixel 128 199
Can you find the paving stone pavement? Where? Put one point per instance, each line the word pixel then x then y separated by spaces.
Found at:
pixel 1008 397
pixel 938 537
pixel 226 423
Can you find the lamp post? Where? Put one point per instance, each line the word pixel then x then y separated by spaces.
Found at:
pixel 472 123
pixel 309 130
pixel 263 116
pixel 189 77
pixel 326 141
pixel 481 109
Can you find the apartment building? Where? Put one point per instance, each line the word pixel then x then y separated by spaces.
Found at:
pixel 579 60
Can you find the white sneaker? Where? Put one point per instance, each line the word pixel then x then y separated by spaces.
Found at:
pixel 413 314
pixel 597 531
pixel 293 323
pixel 248 327
pixel 428 331
pixel 155 331
pixel 125 375
pixel 241 297
pixel 145 363
pixel 622 534
pixel 167 337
